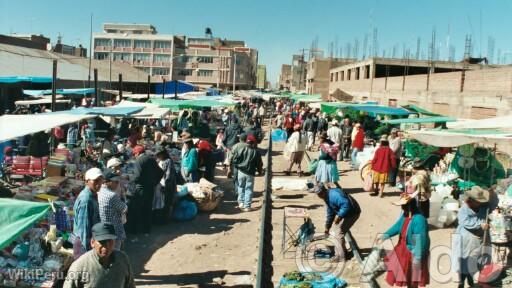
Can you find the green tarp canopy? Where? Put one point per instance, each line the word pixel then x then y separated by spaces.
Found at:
pixel 17 216
pixel 177 105
pixel 306 97
pixel 419 110
pixel 438 119
pixel 331 108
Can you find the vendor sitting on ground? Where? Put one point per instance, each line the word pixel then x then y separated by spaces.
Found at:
pixel 342 210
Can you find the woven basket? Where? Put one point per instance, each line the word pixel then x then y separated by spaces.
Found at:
pixel 208 204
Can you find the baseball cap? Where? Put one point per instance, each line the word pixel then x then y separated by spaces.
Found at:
pixel 138 149
pixel 111 176
pixel 103 231
pixel 93 174
pixel 113 162
pixel 251 138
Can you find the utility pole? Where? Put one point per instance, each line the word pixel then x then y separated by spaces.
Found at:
pixel 163 88
pixel 120 87
pixel 96 102
pixel 90 55
pixel 234 72
pixel 110 66
pixel 54 86
pixel 175 89
pixel 149 85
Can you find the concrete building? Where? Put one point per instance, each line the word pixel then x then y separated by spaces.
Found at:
pixel 138 45
pixel 298 73
pixel 318 74
pixel 212 62
pixel 454 89
pixel 41 42
pixel 206 62
pixel 261 77
pixel 285 77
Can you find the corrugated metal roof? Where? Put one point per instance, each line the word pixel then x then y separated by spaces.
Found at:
pixel 20 61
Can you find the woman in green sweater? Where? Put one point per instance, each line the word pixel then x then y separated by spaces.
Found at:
pixel 407 264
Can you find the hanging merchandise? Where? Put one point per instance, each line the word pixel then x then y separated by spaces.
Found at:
pixel 467 150
pixel 481 168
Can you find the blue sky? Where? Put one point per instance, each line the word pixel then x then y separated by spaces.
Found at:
pixel 280 28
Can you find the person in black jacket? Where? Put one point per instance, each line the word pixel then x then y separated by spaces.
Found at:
pixel 147 175
pixel 255 130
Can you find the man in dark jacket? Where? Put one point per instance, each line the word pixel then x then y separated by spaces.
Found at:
pixel 342 210
pixel 247 161
pixel 253 129
pixel 231 134
pixel 346 131
pixel 147 175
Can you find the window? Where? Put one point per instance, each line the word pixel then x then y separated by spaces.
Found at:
pixel 122 43
pixel 184 59
pixel 160 71
pixel 332 77
pixel 336 76
pixel 142 44
pixel 162 58
pixel 139 57
pixel 357 73
pixel 122 57
pixel 367 72
pixel 205 59
pixel 185 72
pixel 342 76
pixel 205 73
pixel 163 44
pixel 348 75
pixel 101 42
pixel 145 69
pixel 101 56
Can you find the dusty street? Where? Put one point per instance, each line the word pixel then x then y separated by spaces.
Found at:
pixel 220 249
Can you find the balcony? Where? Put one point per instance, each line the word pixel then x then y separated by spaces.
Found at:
pixel 102 48
pixel 162 50
pixel 161 64
pixel 141 63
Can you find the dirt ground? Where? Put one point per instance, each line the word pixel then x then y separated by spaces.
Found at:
pixel 219 249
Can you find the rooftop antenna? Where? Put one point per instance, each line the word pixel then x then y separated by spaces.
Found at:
pixel 480 34
pixel 418 48
pixel 490 49
pixel 448 47
pixel 375 44
pixel 356 48
pixel 365 45
pixel 336 47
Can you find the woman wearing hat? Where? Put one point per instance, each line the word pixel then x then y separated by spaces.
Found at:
pixel 420 182
pixel 327 171
pixel 189 159
pixel 407 264
pixel 469 244
pixel 357 138
pixel 296 146
pixel 382 163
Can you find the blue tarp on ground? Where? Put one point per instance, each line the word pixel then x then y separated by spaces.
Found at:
pixel 102 111
pixel 17 79
pixel 170 87
pixel 36 93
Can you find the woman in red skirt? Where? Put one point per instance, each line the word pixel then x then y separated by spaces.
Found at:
pixel 407 264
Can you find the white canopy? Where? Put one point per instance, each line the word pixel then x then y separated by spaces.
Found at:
pixel 40 101
pixel 447 138
pixel 13 126
pixel 503 122
pixel 150 110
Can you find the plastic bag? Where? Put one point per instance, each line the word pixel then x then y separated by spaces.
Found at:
pixel 279 135
pixel 184 210
pixel 368 182
pixel 373 264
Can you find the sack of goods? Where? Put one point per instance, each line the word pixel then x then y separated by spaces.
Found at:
pixel 206 194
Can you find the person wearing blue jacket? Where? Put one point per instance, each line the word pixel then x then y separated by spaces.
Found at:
pixel 407 264
pixel 342 210
pixel 189 161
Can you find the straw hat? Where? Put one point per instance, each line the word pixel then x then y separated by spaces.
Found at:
pixel 478 194
pixel 405 198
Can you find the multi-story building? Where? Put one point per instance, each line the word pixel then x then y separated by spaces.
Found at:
pixel 298 72
pixel 285 77
pixel 206 62
pixel 457 89
pixel 261 77
pixel 138 45
pixel 210 62
pixel 318 73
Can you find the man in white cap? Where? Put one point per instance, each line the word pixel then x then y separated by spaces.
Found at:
pixel 86 208
pixel 336 135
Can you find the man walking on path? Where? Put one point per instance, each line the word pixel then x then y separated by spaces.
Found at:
pixel 395 143
pixel 308 128
pixel 86 207
pixel 335 135
pixel 247 160
pixel 346 130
